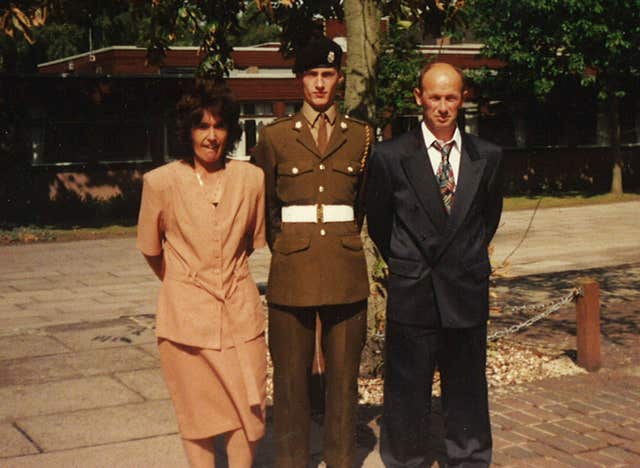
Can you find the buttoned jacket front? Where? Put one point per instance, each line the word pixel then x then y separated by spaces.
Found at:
pixel 438 264
pixel 314 263
pixel 208 298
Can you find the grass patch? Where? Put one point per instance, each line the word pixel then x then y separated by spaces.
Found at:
pixel 565 200
pixel 29 234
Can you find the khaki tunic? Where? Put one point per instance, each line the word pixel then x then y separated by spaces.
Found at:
pixel 314 264
pixel 208 298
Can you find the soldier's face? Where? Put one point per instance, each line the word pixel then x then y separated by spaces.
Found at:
pixel 319 85
pixel 441 96
pixel 208 139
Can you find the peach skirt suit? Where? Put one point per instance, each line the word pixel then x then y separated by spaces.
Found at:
pixel 210 321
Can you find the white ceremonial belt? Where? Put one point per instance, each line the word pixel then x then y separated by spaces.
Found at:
pixel 317 213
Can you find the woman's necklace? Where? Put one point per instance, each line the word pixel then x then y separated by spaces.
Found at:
pixel 214 196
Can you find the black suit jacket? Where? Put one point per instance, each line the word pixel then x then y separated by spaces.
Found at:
pixel 438 265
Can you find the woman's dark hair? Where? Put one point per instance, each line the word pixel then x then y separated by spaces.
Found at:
pixel 216 98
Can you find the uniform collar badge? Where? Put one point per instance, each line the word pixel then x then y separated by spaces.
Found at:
pixel 298 125
pixel 343 125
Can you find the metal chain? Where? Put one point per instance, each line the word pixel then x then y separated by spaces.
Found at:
pixel 549 309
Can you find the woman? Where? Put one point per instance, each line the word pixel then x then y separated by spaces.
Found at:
pixel 200 219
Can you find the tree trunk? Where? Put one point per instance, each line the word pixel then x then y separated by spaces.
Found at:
pixel 616 156
pixel 362 18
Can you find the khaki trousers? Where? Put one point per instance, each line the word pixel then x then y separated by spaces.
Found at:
pixel 291 343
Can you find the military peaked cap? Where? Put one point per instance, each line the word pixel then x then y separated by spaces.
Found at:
pixel 319 52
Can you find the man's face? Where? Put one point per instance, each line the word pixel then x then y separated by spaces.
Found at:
pixel 441 97
pixel 319 86
pixel 208 139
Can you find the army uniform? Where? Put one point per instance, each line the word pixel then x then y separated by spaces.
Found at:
pixel 317 267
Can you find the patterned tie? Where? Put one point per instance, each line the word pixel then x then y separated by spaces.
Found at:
pixel 322 133
pixel 445 175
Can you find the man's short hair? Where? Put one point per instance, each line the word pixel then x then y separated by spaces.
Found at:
pixel 429 65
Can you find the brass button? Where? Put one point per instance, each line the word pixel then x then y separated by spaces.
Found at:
pixel 321 166
pixel 349 169
pixel 294 170
pixel 321 189
pixel 323 232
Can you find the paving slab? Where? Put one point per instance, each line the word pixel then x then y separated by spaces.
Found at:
pixel 604 235
pixel 101 425
pixel 33 284
pixel 156 452
pixel 105 336
pixel 148 383
pixel 67 365
pixel 110 360
pixel 19 346
pixel 10 325
pixel 13 443
pixel 26 371
pixel 21 401
pixel 113 350
pixel 150 348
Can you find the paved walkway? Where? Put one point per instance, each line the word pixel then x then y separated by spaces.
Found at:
pixel 80 383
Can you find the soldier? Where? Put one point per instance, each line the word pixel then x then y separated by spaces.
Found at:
pixel 314 164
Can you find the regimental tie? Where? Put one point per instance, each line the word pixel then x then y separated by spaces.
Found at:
pixel 444 175
pixel 322 133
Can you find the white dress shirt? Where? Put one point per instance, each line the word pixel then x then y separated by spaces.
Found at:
pixel 436 157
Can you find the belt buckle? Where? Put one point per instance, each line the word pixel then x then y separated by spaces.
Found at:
pixel 319 213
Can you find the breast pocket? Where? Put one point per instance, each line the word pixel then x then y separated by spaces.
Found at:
pixel 346 180
pixel 294 184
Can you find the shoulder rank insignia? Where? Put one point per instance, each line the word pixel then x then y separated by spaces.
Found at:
pixel 279 119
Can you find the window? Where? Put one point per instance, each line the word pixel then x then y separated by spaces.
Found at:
pixel 91 120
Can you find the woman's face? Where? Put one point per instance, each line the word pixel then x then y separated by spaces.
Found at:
pixel 208 139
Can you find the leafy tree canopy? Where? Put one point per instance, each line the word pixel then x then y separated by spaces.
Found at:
pixel 397 70
pixel 546 42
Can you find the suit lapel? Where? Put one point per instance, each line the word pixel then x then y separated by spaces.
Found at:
pixel 423 182
pixel 469 177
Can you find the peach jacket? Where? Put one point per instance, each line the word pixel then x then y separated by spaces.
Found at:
pixel 208 298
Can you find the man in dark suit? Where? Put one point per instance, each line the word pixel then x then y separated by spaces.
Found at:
pixel 314 163
pixel 434 201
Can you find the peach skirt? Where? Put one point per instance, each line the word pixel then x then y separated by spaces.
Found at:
pixel 208 390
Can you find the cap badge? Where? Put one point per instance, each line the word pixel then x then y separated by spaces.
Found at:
pixel 331 56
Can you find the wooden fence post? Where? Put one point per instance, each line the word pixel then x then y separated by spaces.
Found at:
pixel 588 325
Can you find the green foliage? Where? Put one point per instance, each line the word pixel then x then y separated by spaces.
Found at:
pixel 255 28
pixel 546 43
pixel 211 22
pixel 71 27
pixel 434 18
pixel 397 72
pixel 298 20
